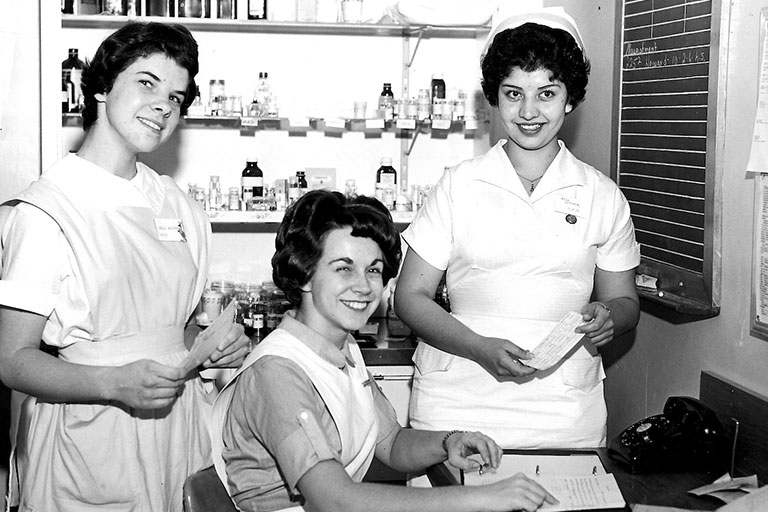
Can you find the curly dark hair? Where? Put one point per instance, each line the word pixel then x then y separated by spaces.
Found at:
pixel 531 47
pixel 306 224
pixel 130 42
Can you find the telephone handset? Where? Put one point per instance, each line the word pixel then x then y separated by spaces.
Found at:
pixel 687 435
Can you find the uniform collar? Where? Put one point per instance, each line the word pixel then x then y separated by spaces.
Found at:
pixel 318 343
pixel 564 171
pixel 89 183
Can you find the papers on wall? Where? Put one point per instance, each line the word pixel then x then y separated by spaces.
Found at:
pixel 758 157
pixel 7 52
pixel 578 481
pixel 557 343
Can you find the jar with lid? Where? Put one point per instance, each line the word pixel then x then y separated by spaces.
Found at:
pixel 257 312
pixel 423 105
pixel 227 289
pixel 216 97
pixel 233 199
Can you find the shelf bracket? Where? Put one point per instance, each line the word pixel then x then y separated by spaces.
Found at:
pixel 413 142
pixel 416 47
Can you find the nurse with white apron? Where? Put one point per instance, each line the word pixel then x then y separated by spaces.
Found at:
pixel 524 234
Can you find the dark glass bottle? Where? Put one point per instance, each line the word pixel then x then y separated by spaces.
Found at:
pixel 386 175
pixel 301 178
pixel 387 102
pixel 257 9
pixel 252 181
pixel 72 70
pixel 437 87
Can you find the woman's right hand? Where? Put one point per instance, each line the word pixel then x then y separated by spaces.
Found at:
pixel 503 359
pixel 146 384
pixel 518 493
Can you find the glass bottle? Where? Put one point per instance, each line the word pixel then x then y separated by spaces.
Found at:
pixel 293 189
pixel 387 102
pixel 437 87
pixel 215 199
pixel 301 179
pixel 72 70
pixel 386 175
pixel 251 181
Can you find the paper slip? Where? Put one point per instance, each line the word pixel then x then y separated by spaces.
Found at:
pixel 583 492
pixel 726 488
pixel 557 343
pixel 208 340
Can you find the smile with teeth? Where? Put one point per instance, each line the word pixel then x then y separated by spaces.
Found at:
pixel 150 124
pixel 358 305
pixel 532 127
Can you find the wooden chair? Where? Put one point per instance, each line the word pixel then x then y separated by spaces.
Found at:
pixel 204 492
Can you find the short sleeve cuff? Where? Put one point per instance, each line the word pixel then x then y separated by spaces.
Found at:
pixel 620 262
pixel 303 449
pixel 19 296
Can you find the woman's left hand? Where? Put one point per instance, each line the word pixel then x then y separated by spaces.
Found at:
pixel 599 324
pixel 232 351
pixel 462 444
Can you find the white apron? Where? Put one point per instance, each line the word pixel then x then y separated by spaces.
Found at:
pixel 348 400
pixel 515 268
pixel 140 291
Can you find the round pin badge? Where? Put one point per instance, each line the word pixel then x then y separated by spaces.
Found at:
pixel 570 219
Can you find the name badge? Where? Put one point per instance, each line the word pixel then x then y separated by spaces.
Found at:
pixel 170 230
pixel 568 206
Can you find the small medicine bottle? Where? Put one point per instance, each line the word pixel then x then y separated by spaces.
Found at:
pixel 293 190
pixel 387 102
pixel 251 181
pixel 386 175
pixel 302 182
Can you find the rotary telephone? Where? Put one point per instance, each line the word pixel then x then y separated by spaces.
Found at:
pixel 687 435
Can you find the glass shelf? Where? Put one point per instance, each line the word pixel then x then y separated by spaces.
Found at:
pixel 225 221
pixel 253 124
pixel 281 27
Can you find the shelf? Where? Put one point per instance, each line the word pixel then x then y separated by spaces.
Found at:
pixel 252 124
pixel 266 222
pixel 281 27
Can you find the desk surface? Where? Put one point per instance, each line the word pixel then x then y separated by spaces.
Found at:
pixel 662 489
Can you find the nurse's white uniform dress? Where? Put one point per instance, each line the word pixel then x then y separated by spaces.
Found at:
pixel 83 248
pixel 515 265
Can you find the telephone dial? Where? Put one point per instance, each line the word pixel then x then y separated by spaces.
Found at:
pixel 687 435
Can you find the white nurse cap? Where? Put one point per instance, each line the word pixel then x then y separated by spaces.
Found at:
pixel 553 17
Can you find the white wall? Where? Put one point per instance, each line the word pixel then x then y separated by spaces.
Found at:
pixel 19 97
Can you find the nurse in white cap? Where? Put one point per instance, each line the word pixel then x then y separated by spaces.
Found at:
pixel 524 234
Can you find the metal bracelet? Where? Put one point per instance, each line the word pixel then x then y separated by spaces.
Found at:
pixel 449 434
pixel 604 307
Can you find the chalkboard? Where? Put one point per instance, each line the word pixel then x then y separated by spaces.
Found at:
pixel 666 158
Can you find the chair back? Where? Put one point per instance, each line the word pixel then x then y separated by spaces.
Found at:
pixel 204 492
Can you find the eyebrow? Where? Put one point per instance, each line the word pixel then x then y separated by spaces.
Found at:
pixel 183 93
pixel 349 261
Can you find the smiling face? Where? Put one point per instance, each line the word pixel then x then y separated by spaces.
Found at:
pixel 143 108
pixel 532 109
pixel 345 287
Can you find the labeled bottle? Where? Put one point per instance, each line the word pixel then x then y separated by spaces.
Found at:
pixel 72 70
pixel 301 179
pixel 386 175
pixel 437 87
pixel 387 102
pixel 293 189
pixel 251 181
pixel 257 9
pixel 215 198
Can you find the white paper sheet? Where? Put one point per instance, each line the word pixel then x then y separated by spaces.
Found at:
pixel 758 158
pixel 209 339
pixel 557 343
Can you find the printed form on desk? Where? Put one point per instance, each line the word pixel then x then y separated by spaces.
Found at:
pixel 578 481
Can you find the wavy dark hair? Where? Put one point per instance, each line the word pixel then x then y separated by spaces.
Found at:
pixel 531 47
pixel 306 224
pixel 130 42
